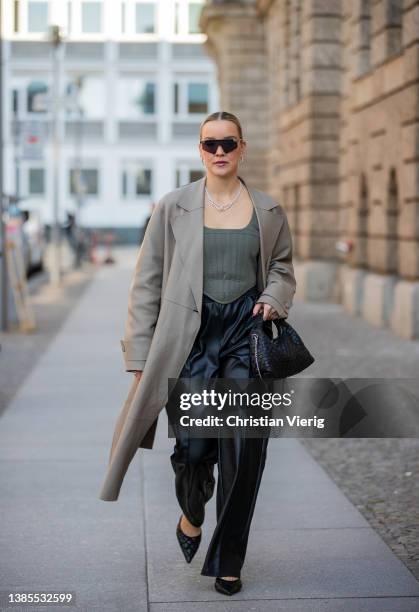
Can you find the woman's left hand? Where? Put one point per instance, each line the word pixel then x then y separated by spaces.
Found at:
pixel 268 312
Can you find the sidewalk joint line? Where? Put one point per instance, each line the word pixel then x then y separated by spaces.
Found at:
pixel 143 505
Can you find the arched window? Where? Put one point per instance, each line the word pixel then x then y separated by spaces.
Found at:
pixel 393 197
pixel 392 219
pixel 361 254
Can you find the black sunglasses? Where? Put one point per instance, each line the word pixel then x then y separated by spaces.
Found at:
pixel 227 144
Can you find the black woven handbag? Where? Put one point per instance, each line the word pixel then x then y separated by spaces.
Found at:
pixel 278 357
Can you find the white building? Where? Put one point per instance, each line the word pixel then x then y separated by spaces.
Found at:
pixel 131 131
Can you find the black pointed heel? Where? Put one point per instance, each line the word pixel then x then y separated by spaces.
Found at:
pixel 228 587
pixel 188 544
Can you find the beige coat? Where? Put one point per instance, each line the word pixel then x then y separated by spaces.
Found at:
pixel 164 308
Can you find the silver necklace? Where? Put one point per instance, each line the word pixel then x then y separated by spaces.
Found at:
pixel 223 207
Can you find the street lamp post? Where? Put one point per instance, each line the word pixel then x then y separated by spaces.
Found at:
pixel 79 183
pixel 55 261
pixel 3 269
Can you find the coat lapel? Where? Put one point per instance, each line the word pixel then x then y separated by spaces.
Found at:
pixel 188 223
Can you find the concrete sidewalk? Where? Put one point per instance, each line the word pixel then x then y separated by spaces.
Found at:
pixel 310 550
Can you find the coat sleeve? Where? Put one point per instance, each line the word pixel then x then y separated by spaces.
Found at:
pixel 280 283
pixel 145 293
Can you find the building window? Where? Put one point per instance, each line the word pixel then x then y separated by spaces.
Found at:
pixel 186 174
pixel 186 17
pixel 361 245
pixel 37 16
pixel 135 181
pixel 145 18
pixel 91 17
pixel 91 97
pixel 124 186
pixel 36 97
pixel 190 98
pixel 364 50
pixel 394 26
pixel 36 181
pixel 194 12
pixel 15 102
pixel 135 97
pixel 197 97
pixel 176 97
pixel 392 242
pixel 143 182
pixel 86 181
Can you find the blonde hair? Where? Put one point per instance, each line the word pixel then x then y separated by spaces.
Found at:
pixel 222 115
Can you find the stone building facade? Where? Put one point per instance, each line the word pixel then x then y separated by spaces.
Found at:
pixel 328 94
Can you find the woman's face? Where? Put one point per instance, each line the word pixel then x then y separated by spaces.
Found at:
pixel 221 163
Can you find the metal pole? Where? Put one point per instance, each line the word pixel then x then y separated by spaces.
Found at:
pixel 16 142
pixel 55 271
pixel 4 279
pixel 78 168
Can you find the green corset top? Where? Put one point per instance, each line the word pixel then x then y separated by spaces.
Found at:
pixel 230 260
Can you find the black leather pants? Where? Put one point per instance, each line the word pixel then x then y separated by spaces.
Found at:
pixel 221 350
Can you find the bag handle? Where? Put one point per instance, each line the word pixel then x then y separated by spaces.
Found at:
pixel 280 324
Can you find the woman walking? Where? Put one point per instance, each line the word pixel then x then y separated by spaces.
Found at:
pixel 243 265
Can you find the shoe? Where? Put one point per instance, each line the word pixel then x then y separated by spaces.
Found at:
pixel 228 587
pixel 188 544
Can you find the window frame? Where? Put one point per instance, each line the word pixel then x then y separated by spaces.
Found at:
pixel 181 7
pixel 26 166
pixel 20 84
pixel 129 32
pixel 183 83
pixel 102 6
pixel 182 169
pixel 86 165
pixel 34 166
pixel 69 77
pixel 129 166
pixel 145 79
pixel 74 21
pixel 48 16
pixel 23 20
